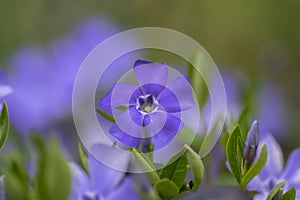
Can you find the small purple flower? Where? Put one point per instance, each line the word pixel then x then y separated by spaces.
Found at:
pixel 273 172
pixel 153 109
pixel 5 89
pixel 103 182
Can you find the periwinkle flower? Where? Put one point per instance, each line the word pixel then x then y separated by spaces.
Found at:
pixel 251 143
pixel 5 89
pixel 153 108
pixel 103 182
pixel 273 172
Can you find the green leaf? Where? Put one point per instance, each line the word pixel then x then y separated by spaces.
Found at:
pixel 16 182
pixel 256 167
pixel 197 82
pixel 83 158
pixel 234 153
pixel 289 195
pixel 175 169
pixel 53 174
pixel 224 138
pixel 106 116
pixel 275 190
pixel 244 120
pixel 166 188
pixel 196 166
pixel 4 125
pixel 146 164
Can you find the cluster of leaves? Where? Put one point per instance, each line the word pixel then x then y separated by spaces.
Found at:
pixel 240 169
pixel 52 179
pixel 169 181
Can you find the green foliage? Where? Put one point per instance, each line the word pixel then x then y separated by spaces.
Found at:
pixel 244 119
pixel 196 166
pixel 146 164
pixel 53 174
pixel 175 169
pixel 4 125
pixel 224 138
pixel 106 116
pixel 197 82
pixel 166 188
pixel 83 158
pixel 234 154
pixel 275 190
pixel 16 182
pixel 289 195
pixel 256 167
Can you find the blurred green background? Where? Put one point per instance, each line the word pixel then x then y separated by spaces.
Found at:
pixel 260 38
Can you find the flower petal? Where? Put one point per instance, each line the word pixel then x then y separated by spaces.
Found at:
pixel 120 95
pixel 182 90
pixel 168 100
pixel 292 170
pixel 80 182
pixel 256 184
pixel 5 89
pixel 151 73
pixel 128 128
pixel 125 191
pixel 274 162
pixel 141 62
pixel 104 177
pixel 163 132
pixel 152 88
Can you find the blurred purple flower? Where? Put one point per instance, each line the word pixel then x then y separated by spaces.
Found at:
pixel 273 172
pixel 5 89
pixel 103 182
pixel 269 103
pixel 153 108
pixel 43 78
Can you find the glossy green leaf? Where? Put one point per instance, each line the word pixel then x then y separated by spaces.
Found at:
pixel 289 195
pixel 166 188
pixel 196 166
pixel 4 125
pixel 256 167
pixel 146 164
pixel 275 190
pixel 197 82
pixel 83 158
pixel 53 174
pixel 106 116
pixel 234 153
pixel 175 169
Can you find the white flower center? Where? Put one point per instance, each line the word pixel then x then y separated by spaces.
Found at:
pixel 146 104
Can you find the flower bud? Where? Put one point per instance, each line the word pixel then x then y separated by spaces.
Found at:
pixel 251 143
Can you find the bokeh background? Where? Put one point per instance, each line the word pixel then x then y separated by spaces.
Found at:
pixel 255 42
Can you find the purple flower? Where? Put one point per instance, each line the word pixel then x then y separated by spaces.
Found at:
pixel 103 182
pixel 153 109
pixel 43 78
pixel 5 89
pixel 273 172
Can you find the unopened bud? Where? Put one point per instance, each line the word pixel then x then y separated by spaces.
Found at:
pixel 251 143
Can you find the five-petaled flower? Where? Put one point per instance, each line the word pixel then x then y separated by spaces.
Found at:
pixel 273 173
pixel 153 109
